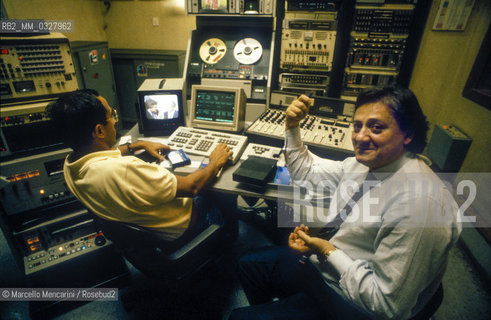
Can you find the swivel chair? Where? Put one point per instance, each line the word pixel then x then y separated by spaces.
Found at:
pixel 166 260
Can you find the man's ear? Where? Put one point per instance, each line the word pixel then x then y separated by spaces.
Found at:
pixel 409 137
pixel 98 131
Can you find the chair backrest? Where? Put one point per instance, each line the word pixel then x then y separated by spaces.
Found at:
pixel 158 258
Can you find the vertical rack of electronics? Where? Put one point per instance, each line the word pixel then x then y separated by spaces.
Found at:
pixel 52 237
pixel 383 43
pixel 338 48
pixel 308 40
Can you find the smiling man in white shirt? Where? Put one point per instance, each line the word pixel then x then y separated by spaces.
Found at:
pixel 386 256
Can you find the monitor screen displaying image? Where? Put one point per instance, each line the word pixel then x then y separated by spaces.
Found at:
pixel 161 106
pixel 218 108
pixel 214 5
pixel 215 106
pixel 160 111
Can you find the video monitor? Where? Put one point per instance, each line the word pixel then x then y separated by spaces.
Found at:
pixel 213 6
pixel 218 108
pixel 161 108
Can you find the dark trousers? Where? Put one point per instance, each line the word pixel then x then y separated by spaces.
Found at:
pixel 209 208
pixel 279 272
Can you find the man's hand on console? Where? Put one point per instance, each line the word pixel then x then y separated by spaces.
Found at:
pixel 220 155
pixel 297 111
pixel 154 149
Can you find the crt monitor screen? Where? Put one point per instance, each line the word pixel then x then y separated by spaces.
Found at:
pixel 218 108
pixel 161 111
pixel 215 106
pixel 161 106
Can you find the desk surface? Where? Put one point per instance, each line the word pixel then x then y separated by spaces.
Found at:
pixel 226 184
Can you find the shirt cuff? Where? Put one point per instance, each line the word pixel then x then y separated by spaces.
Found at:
pixel 293 138
pixel 340 261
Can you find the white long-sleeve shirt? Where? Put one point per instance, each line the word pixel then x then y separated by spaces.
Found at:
pixel 392 250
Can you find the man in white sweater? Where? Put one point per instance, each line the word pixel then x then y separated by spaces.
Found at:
pixel 391 223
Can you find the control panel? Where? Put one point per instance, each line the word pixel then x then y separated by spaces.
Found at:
pixel 302 49
pixel 312 5
pixel 34 182
pixel 203 142
pixel 261 150
pixel 35 66
pixel 25 128
pixel 231 7
pixel 315 130
pixel 377 45
pixel 45 258
pixel 58 240
pixel 327 127
pixel 308 39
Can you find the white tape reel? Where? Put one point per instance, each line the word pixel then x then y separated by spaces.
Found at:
pixel 212 50
pixel 248 51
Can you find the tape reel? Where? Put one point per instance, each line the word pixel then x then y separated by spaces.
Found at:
pixel 248 51
pixel 212 50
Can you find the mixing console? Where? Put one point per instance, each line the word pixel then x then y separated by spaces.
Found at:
pixel 203 142
pixel 315 130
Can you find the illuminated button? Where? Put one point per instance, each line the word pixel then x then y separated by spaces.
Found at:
pixel 84 247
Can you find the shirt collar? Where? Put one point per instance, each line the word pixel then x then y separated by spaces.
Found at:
pixel 384 172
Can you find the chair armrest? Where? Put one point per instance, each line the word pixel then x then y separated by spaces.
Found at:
pixel 195 243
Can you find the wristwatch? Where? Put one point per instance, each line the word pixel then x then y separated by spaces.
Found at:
pixel 330 252
pixel 130 150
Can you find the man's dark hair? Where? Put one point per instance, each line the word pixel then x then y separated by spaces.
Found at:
pixel 405 109
pixel 75 115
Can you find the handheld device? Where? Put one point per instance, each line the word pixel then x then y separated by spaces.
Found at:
pixel 178 158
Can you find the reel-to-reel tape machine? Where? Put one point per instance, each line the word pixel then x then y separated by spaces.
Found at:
pixel 246 51
pixel 230 56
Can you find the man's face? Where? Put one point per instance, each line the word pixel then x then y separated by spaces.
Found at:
pixel 377 138
pixel 110 130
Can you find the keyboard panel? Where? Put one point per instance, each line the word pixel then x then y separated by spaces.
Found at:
pixel 203 142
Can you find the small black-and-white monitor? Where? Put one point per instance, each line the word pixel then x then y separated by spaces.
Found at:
pixel 161 106
pixel 218 108
pixel 213 6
